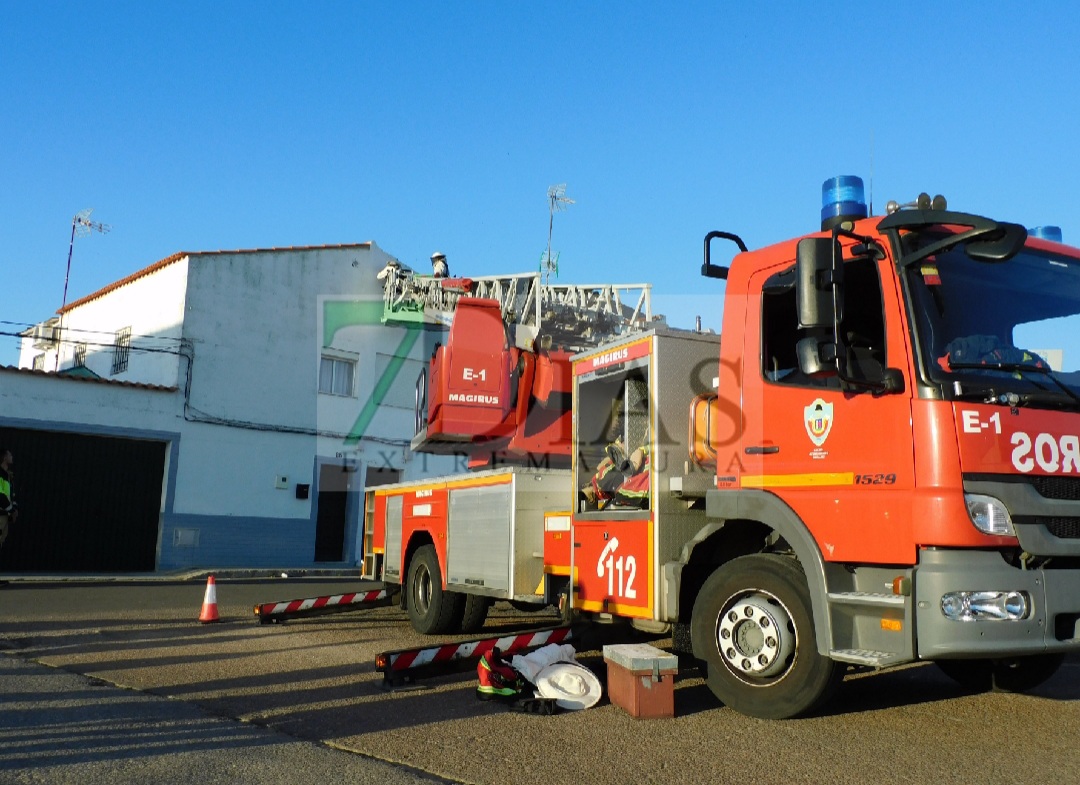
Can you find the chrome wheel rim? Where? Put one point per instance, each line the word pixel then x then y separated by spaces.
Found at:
pixel 756 637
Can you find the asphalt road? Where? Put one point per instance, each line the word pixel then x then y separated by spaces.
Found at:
pixel 60 727
pixel 242 702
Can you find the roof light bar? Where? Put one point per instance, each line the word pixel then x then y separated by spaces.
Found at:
pixel 842 199
pixel 1051 233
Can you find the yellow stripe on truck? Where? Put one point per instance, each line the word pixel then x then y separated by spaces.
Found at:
pixel 798 480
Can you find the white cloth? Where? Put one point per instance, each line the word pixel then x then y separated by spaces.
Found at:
pixel 530 665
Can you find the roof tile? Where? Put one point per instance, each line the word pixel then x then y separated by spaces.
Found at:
pixel 178 256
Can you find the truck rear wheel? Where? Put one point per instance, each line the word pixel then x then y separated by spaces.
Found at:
pixel 475 612
pixel 752 627
pixel 432 609
pixel 1016 674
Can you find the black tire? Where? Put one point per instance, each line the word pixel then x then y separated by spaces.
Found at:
pixel 475 613
pixel 752 628
pixel 1015 674
pixel 432 609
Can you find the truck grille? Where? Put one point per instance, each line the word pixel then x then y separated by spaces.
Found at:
pixel 1056 488
pixel 1065 528
pixel 1067 488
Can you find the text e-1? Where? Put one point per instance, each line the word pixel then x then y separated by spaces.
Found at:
pixel 972 423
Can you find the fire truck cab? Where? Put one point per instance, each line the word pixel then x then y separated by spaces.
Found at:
pixel 893 455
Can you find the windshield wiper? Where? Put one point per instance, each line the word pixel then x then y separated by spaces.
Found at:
pixel 1021 368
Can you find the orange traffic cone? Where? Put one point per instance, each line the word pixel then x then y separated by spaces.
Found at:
pixel 209 605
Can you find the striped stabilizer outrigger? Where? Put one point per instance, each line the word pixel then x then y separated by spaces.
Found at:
pixel 400 666
pixel 269 612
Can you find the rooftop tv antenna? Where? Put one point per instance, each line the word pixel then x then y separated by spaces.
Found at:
pixel 81 225
pixel 557 202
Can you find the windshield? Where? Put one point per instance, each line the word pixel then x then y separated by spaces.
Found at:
pixel 1007 331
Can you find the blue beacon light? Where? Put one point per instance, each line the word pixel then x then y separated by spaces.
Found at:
pixel 1051 233
pixel 842 198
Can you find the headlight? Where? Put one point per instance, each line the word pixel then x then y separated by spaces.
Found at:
pixel 989 514
pixel 985 605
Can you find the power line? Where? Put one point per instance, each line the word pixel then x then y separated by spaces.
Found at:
pixel 191 414
pixel 112 344
pixel 86 331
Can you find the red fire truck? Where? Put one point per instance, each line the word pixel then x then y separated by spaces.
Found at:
pixel 879 463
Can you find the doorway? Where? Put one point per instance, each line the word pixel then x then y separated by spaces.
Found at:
pixel 335 484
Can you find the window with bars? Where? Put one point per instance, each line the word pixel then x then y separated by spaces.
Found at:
pixel 78 359
pixel 39 362
pixel 121 350
pixel 336 376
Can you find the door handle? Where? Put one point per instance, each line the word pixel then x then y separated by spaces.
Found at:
pixel 769 450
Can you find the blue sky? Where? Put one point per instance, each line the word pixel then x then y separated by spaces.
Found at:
pixel 423 126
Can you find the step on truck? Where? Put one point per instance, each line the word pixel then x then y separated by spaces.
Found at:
pixel 877 463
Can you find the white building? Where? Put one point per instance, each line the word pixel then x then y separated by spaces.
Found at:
pixel 268 383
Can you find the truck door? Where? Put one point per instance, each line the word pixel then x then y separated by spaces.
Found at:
pixel 842 459
pixel 613 531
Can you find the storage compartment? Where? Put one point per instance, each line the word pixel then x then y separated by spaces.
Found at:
pixel 641 679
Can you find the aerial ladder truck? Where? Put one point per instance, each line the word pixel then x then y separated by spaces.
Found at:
pixel 498 393
pixel 878 464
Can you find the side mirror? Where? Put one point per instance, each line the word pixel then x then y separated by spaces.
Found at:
pixel 892 380
pixel 710 270
pixel 817 356
pixel 819 282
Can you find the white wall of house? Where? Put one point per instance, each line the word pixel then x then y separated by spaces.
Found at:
pixel 242 336
pixel 255 322
pixel 150 306
pixel 42 400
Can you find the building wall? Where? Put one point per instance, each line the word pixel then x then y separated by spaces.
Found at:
pixel 247 423
pixel 255 322
pixel 84 404
pixel 152 306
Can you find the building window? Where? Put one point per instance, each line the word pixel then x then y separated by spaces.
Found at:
pixel 336 376
pixel 39 362
pixel 121 350
pixel 78 360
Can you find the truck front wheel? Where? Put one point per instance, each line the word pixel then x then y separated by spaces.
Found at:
pixel 432 609
pixel 1016 674
pixel 752 629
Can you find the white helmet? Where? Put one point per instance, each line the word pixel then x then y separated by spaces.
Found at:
pixel 438 255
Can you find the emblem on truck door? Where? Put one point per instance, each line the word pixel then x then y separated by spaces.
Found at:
pixel 818 418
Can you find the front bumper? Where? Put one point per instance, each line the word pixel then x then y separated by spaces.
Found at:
pixel 1052 625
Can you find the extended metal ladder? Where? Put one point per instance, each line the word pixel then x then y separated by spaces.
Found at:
pixel 575 316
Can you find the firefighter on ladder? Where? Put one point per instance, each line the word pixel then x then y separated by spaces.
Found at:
pixel 439 267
